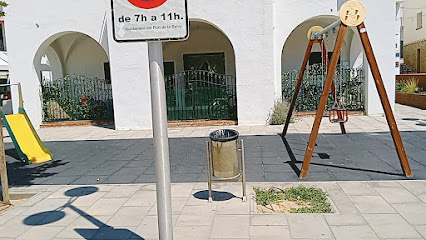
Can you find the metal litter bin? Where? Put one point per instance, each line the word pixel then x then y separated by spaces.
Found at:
pixel 224 150
pixel 225 158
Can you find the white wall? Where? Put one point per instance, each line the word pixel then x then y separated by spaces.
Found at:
pixel 249 27
pixel 203 38
pixel 130 84
pixel 29 24
pixel 86 58
pixel 287 16
pixel 257 30
pixel 381 31
pixel 295 46
pixel 398 35
pixel 410 9
pixel 380 24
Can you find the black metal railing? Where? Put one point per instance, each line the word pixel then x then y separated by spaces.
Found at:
pixel 349 87
pixel 77 98
pixel 201 95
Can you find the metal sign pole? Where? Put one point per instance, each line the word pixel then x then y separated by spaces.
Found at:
pixel 161 142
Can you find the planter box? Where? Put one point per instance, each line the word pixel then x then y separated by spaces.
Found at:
pixel 421 77
pixel 411 99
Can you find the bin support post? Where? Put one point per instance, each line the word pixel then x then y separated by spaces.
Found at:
pixel 243 169
pixel 209 171
pixel 225 160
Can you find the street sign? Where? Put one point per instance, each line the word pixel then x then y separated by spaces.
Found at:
pixel 149 20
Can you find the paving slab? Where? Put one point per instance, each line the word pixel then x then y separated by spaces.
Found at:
pixel 372 204
pixel 414 213
pixel 311 226
pixel 391 226
pixel 363 232
pixel 231 226
pixel 268 220
pixel 269 232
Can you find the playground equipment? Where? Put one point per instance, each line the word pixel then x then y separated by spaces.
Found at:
pixel 352 14
pixel 30 148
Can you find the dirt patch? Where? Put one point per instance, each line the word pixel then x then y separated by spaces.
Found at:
pixel 283 206
pixel 298 199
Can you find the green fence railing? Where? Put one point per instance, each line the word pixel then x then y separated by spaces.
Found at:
pixel 77 98
pixel 349 87
pixel 201 95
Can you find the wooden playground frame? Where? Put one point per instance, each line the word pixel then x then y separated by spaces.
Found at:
pixel 317 37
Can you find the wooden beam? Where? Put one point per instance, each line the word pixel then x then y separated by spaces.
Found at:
pixel 385 100
pixel 323 100
pixel 297 88
pixel 333 86
pixel 3 168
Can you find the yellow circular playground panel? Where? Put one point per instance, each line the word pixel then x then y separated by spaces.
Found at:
pixel 314 29
pixel 352 13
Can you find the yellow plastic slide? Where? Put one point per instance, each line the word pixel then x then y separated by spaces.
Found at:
pixel 26 139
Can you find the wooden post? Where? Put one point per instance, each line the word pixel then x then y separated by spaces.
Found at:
pixel 3 169
pixel 385 101
pixel 323 101
pixel 333 86
pixel 297 88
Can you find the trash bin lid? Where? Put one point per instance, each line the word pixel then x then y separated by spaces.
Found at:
pixel 224 135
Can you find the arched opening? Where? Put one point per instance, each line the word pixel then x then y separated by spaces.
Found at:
pixel 74 75
pixel 200 75
pixel 349 73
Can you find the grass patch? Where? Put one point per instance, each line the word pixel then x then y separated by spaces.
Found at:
pixel 298 199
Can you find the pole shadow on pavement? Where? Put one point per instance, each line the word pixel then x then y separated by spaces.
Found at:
pixel 103 231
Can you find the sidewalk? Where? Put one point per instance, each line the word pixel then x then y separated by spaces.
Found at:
pixel 408 119
pixel 94 155
pixel 363 210
pixel 83 207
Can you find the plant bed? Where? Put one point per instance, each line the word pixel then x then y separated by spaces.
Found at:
pixel 411 99
pixel 298 199
pixel 409 92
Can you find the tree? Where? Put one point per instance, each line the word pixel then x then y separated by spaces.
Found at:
pixel 2 4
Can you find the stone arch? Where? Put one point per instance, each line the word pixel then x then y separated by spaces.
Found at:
pixel 80 60
pixel 294 47
pixel 207 49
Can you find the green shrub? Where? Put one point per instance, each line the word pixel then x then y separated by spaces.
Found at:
pixel 399 86
pixel 279 113
pixel 410 86
pixel 316 196
pixel 262 199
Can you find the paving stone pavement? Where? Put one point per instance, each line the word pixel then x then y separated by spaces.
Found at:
pixel 94 155
pixel 100 185
pixel 114 211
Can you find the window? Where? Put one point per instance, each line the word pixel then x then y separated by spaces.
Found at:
pixel 169 68
pixel 419 20
pixel 107 72
pixel 211 62
pixel 2 37
pixel 419 58
pixel 316 58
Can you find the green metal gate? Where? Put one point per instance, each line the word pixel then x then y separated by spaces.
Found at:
pixel 77 98
pixel 199 94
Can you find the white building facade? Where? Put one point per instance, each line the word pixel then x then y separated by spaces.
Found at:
pixel 258 40
pixel 414 25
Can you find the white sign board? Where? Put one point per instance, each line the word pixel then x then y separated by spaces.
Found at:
pixel 149 20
